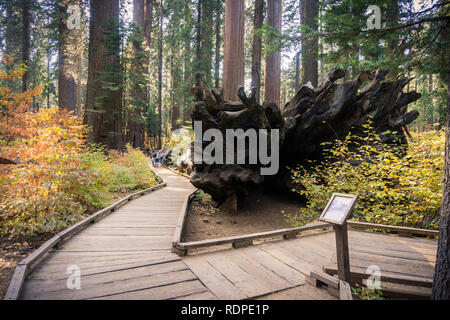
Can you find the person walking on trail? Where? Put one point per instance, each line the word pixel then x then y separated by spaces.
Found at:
pixel 153 156
pixel 155 159
pixel 161 157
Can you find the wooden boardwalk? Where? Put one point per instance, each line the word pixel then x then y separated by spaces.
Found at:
pixel 127 255
pixel 277 270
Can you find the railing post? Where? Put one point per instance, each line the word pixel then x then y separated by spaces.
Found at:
pixel 342 252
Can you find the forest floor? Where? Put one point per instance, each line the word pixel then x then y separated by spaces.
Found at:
pixel 260 212
pixel 12 252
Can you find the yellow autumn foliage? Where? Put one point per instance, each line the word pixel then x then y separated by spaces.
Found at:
pixel 393 190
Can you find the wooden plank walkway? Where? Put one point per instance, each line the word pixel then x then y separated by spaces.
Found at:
pixel 127 255
pixel 277 270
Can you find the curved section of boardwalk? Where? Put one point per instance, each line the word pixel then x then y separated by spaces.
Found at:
pixel 126 255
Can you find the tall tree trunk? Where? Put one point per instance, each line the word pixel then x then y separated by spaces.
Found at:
pixel 160 66
pixel 233 65
pixel 272 73
pixel 441 282
pixel 148 40
pixel 430 90
pixel 321 44
pixel 12 40
pixel 393 17
pixel 26 41
pixel 104 103
pixel 148 25
pixel 137 113
pixel 174 69
pixel 70 53
pixel 187 65
pixel 208 8
pixel 309 10
pixel 218 29
pixel 198 45
pixel 258 21
pixel 297 71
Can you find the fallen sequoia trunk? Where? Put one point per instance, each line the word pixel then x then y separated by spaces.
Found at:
pixel 313 116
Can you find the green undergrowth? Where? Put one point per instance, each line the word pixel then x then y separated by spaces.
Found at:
pixel 53 197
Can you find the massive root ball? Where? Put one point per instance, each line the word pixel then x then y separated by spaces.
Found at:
pixel 312 117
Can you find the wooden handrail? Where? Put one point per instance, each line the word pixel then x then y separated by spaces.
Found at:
pixel 292 232
pixel 249 237
pixel 27 265
pixel 405 230
pixel 181 219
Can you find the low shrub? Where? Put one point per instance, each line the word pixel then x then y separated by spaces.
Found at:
pixel 49 178
pixel 403 191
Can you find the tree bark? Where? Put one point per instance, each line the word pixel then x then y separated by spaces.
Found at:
pixel 258 21
pixel 272 74
pixel 312 117
pixel 26 41
pixel 12 32
pixel 175 96
pixel 70 52
pixel 206 47
pixel 148 24
pixel 309 10
pixel 136 115
pixel 233 65
pixel 218 29
pixel 104 104
pixel 441 281
pixel 198 45
pixel 187 66
pixel 160 66
pixel 148 40
pixel 297 71
pixel 392 15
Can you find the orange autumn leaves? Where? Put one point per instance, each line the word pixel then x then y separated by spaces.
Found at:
pixel 34 136
pixel 45 146
pixel 57 177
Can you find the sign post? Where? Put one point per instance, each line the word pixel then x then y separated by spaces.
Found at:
pixel 338 210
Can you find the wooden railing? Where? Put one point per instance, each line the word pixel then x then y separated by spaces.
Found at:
pixel 245 240
pixel 25 267
pixel 399 230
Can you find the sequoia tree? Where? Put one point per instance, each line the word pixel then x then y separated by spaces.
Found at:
pixel 70 53
pixel 258 20
pixel 138 109
pixel 441 281
pixel 26 41
pixel 233 64
pixel 104 88
pixel 309 10
pixel 272 74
